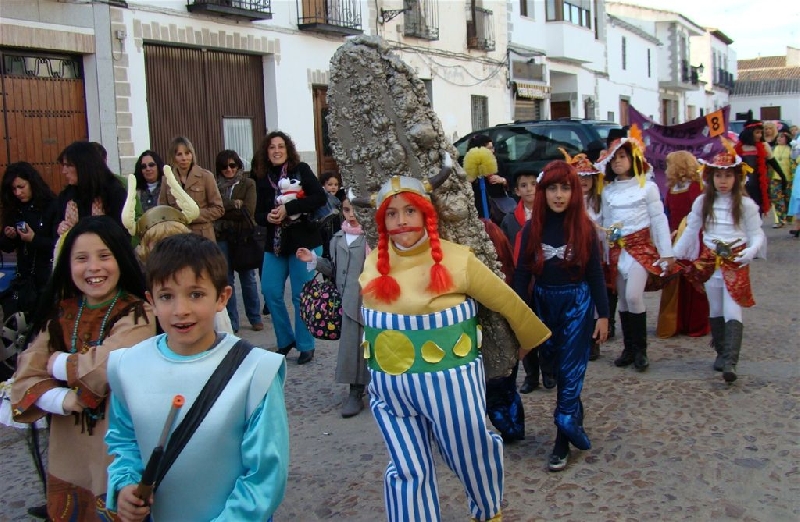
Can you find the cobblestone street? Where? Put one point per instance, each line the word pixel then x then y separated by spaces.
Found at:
pixel 674 443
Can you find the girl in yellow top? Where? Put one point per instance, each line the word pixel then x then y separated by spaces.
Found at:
pixel 422 343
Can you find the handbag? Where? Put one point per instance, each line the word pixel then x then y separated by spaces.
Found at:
pixel 246 249
pixel 321 308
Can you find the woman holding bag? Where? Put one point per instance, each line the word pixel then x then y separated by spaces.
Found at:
pixel 277 163
pixel 239 200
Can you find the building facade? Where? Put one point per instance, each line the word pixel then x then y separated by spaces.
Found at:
pixel 769 88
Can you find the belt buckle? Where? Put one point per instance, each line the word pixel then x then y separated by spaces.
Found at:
pixel 724 249
pixel 614 232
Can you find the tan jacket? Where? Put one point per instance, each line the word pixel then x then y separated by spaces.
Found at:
pixel 202 188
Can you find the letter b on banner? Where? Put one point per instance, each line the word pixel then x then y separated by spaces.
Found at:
pixel 716 123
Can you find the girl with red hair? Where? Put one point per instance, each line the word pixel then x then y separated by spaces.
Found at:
pixel 422 344
pixel 560 247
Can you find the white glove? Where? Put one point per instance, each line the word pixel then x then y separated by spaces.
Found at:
pixel 746 256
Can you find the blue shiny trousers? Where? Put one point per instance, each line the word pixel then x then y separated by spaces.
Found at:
pixel 568 311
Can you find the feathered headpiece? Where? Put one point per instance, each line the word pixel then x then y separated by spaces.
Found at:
pixel 189 210
pixel 585 167
pixel 727 159
pixel 637 146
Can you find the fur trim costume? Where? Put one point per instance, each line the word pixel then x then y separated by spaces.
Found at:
pixel 422 341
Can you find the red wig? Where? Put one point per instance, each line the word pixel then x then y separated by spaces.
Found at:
pixel 578 227
pixel 505 253
pixel 385 288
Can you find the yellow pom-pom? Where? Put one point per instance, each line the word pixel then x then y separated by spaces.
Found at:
pixel 479 162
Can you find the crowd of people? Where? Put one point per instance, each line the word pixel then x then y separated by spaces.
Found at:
pixel 135 276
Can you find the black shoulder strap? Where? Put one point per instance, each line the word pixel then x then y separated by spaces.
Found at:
pixel 199 409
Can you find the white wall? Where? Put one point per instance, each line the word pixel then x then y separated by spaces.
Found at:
pixel 789 104
pixel 631 83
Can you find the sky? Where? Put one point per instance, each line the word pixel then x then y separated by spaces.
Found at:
pixel 757 27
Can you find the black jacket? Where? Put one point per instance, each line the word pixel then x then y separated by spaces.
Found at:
pixel 36 256
pixel 116 195
pixel 303 233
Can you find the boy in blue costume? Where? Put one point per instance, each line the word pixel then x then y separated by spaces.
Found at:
pixel 246 430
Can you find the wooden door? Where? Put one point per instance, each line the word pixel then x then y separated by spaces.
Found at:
pixel 325 161
pixel 623 112
pixel 204 95
pixel 560 110
pixel 43 110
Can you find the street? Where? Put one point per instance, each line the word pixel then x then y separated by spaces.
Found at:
pixel 674 443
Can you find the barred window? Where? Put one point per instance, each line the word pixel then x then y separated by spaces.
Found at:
pixel 480 112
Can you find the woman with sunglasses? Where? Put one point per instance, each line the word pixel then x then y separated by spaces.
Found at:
pixel 238 193
pixel 149 171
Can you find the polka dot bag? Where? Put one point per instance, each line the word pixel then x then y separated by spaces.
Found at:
pixel 321 308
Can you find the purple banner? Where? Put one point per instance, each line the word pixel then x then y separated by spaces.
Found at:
pixel 694 136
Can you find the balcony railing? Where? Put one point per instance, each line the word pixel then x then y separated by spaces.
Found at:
pixel 724 78
pixel 238 9
pixel 421 19
pixel 480 30
pixel 342 17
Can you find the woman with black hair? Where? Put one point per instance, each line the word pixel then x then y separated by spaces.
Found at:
pixel 93 304
pixel 149 171
pixel 28 221
pixel 92 189
pixel 238 194
pixel 756 153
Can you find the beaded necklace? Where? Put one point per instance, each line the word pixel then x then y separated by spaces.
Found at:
pixel 74 340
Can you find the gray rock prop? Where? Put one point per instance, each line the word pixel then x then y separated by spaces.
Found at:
pixel 381 124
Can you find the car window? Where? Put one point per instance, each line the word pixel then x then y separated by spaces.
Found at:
pixel 513 143
pixel 603 130
pixel 552 138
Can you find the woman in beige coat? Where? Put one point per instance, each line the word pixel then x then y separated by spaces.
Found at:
pixel 198 182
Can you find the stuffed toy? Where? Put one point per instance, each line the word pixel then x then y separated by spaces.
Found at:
pixel 291 189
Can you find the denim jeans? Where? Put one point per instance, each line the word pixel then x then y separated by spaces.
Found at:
pixel 252 303
pixel 273 283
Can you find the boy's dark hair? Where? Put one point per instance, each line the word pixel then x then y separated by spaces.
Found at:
pixel 525 174
pixel 175 253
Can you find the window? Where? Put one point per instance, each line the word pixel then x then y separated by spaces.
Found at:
pixel 624 54
pixel 526 8
pixel 429 89
pixel 237 134
pixel 578 12
pixel 480 112
pixel 649 70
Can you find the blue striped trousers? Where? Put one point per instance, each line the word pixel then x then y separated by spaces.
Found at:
pixel 414 410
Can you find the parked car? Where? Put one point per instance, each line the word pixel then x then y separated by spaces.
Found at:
pixel 530 145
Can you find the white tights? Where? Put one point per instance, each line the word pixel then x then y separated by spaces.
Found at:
pixel 720 302
pixel 630 290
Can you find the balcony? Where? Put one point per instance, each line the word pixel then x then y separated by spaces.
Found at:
pixel 250 10
pixel 480 29
pixel 338 17
pixel 421 19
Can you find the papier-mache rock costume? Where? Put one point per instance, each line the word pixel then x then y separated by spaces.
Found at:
pixel 638 237
pixel 163 221
pixel 562 251
pixel 422 342
pixel 732 237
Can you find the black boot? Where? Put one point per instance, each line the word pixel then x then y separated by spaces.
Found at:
pixel 626 357
pixel 612 312
pixel 531 364
pixel 639 326
pixel 354 403
pixel 718 341
pixel 733 343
